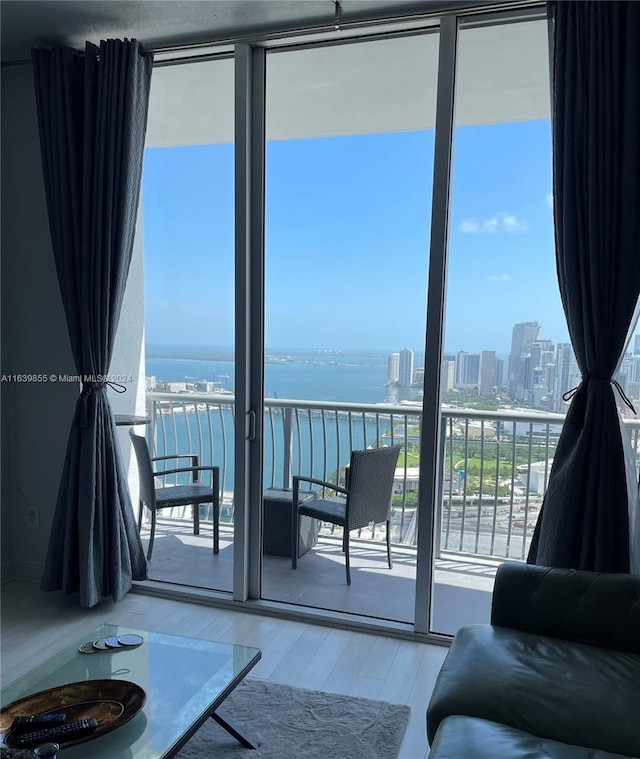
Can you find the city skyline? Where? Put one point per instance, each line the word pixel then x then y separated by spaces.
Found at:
pixel 541 373
pixel 537 372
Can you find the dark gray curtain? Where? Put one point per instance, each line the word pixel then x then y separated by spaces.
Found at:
pixel 92 113
pixel 584 520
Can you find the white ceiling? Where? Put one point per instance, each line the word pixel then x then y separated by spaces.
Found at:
pixel 379 86
pixel 156 23
pixel 365 87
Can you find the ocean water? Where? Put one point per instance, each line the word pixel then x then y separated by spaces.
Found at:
pixel 296 375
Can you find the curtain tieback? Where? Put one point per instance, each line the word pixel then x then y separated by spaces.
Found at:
pixel 602 378
pixel 93 387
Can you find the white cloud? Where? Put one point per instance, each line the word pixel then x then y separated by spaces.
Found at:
pixel 500 222
pixel 490 225
pixel 510 223
pixel 499 278
pixel 469 225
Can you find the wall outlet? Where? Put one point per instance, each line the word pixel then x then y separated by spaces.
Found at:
pixel 33 517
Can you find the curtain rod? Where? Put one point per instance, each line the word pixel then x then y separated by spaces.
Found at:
pixel 461 7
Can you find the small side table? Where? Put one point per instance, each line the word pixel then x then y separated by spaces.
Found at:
pixel 276 539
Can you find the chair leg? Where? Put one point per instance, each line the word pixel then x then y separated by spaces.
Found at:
pixel 151 534
pixel 140 516
pixel 196 518
pixel 216 527
pixel 346 555
pixel 295 529
pixel 389 544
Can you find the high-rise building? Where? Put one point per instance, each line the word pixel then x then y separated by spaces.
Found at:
pixel 550 376
pixel 522 336
pixel 567 374
pixel 405 368
pixel 636 345
pixel 499 372
pixel 487 372
pixel 393 369
pixel 472 374
pixel 448 375
pixel 461 367
pixel 467 369
pixel 541 353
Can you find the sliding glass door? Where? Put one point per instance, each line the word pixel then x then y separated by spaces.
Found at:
pixel 394 283
pixel 506 356
pixel 188 244
pixel 349 166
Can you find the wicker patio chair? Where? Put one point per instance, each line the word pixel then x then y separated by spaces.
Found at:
pixel 366 499
pixel 193 493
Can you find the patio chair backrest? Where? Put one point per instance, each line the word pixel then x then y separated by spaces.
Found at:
pixel 370 485
pixel 145 470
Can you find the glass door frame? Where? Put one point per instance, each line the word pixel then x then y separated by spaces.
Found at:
pixel 249 310
pixel 249 227
pixel 430 485
pixel 432 442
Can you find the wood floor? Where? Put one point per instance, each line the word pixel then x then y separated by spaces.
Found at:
pixel 34 625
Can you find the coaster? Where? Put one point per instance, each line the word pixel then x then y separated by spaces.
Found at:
pixel 87 648
pixel 112 642
pixel 101 644
pixel 130 640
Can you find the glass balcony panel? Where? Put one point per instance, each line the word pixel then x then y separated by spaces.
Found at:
pixel 349 165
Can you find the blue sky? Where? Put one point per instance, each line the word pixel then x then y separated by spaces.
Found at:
pixel 347 240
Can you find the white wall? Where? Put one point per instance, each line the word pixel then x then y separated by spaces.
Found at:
pixel 35 417
pixel 128 360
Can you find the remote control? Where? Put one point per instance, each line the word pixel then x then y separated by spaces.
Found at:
pixel 38 720
pixel 60 733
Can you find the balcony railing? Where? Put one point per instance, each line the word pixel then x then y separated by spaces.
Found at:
pixel 494 465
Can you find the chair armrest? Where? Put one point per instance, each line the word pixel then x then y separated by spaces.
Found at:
pixel 329 485
pixel 586 607
pixel 215 473
pixel 192 456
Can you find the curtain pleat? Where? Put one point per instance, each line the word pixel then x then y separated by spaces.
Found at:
pixel 584 521
pixel 92 114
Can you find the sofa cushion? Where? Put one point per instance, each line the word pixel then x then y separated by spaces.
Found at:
pixel 568 692
pixel 473 738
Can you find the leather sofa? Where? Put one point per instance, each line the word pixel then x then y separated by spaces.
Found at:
pixel 556 674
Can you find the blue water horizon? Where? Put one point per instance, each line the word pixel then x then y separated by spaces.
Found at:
pixel 305 375
pixel 294 374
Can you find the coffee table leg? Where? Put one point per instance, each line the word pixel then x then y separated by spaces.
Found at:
pixel 233 731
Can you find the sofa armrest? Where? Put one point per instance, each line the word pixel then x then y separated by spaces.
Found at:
pixel 586 607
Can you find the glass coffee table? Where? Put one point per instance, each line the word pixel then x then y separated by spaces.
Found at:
pixel 185 680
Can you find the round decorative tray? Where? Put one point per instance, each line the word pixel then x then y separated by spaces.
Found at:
pixel 111 702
